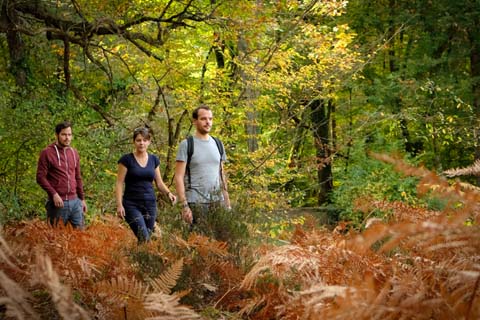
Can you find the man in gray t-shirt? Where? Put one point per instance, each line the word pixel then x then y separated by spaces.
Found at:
pixel 206 184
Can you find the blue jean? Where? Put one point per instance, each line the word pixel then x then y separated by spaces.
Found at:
pixel 140 216
pixel 72 212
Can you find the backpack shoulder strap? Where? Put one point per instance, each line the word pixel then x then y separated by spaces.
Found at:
pixel 219 146
pixel 190 148
pixel 221 151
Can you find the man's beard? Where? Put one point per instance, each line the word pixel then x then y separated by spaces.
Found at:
pixel 62 144
pixel 204 131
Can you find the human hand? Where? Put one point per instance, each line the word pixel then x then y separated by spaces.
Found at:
pixel 57 201
pixel 121 212
pixel 173 198
pixel 84 206
pixel 187 215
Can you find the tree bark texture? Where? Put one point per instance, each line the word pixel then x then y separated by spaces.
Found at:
pixel 320 128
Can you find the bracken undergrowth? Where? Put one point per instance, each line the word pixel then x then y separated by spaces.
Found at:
pixel 413 264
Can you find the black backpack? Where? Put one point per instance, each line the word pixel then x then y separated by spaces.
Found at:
pixel 190 149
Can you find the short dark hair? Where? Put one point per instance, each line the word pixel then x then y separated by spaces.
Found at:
pixel 62 125
pixel 145 132
pixel 202 106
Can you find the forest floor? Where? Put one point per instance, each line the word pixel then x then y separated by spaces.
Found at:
pixel 420 265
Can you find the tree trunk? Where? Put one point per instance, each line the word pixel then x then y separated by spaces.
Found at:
pixel 297 145
pixel 17 58
pixel 249 96
pixel 320 128
pixel 16 47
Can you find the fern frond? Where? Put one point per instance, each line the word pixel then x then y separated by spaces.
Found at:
pixel 61 295
pixel 251 305
pixel 321 291
pixel 205 245
pixel 125 297
pixel 228 271
pixel 121 290
pixel 182 293
pixel 317 296
pixel 5 253
pixel 15 300
pixel 179 242
pixel 167 307
pixel 468 186
pixel 88 268
pixel 399 211
pixel 289 258
pixel 473 170
pixel 168 279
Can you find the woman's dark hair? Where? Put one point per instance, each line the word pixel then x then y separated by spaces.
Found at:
pixel 145 132
pixel 202 106
pixel 62 125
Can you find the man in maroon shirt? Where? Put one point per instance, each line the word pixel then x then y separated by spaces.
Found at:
pixel 58 173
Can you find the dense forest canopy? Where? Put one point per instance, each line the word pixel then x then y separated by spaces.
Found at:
pixel 113 66
pixel 363 110
pixel 301 90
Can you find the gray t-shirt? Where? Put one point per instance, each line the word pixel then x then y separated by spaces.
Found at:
pixel 204 171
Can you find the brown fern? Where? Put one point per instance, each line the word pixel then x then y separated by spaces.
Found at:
pixel 16 299
pixel 418 265
pixel 129 295
pixel 312 300
pixel 207 246
pixel 123 297
pixel 5 253
pixel 229 272
pixel 121 290
pixel 168 279
pixel 286 259
pixel 473 170
pixel 167 307
pixel 251 304
pixel 397 210
pixel 61 294
pixel 433 183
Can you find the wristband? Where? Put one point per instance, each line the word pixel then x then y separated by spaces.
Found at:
pixel 185 205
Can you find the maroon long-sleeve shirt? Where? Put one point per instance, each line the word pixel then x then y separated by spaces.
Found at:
pixel 58 171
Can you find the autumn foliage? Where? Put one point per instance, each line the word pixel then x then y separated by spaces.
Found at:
pixel 417 264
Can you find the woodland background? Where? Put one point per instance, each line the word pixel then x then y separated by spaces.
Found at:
pixel 346 125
